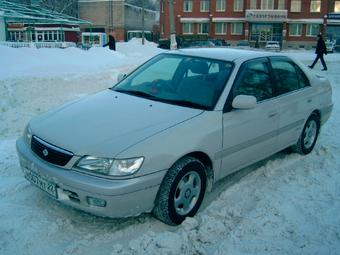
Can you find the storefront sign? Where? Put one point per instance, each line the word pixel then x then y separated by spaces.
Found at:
pixel 16 25
pixel 333 16
pixel 266 15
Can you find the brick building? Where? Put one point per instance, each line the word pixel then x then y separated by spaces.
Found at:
pixel 294 23
pixel 115 15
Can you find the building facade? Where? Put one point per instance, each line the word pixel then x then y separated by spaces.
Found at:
pixel 294 23
pixel 115 16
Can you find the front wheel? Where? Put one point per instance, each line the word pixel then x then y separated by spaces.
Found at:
pixel 181 192
pixel 309 135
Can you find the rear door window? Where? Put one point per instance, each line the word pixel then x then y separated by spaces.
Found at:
pixel 288 76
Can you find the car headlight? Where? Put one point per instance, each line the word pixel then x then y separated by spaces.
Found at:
pixel 107 166
pixel 28 134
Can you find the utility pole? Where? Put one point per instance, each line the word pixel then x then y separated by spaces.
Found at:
pixel 143 33
pixel 173 42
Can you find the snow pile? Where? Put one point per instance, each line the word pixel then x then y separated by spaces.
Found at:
pixel 139 52
pixel 287 204
pixel 139 41
pixel 32 62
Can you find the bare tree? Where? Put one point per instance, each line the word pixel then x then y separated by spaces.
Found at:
pixel 62 6
pixel 148 4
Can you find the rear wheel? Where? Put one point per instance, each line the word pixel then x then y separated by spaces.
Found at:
pixel 181 192
pixel 309 135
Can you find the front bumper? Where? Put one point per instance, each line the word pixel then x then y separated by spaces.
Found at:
pixel 124 198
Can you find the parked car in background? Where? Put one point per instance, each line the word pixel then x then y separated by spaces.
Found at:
pixel 197 44
pixel 330 45
pixel 219 42
pixel 243 45
pixel 272 46
pixel 164 134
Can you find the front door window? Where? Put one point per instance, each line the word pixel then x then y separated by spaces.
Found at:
pixel 254 80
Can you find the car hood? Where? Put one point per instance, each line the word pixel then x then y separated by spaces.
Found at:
pixel 107 123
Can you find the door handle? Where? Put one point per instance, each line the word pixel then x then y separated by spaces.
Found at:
pixel 309 100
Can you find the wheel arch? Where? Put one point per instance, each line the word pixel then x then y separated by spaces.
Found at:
pixel 208 165
pixel 318 114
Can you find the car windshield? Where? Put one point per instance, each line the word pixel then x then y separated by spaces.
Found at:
pixel 177 79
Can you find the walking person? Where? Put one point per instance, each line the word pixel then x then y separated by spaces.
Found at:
pixel 319 51
pixel 111 43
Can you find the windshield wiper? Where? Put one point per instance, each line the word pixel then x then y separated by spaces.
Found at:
pixel 136 93
pixel 184 103
pixel 164 100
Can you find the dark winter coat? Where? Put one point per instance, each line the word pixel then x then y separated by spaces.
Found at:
pixel 111 43
pixel 321 47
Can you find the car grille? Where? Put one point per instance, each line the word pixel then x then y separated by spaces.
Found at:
pixel 50 153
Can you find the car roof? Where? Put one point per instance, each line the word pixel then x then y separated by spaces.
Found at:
pixel 225 54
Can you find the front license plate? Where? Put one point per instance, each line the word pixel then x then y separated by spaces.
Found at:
pixel 41 183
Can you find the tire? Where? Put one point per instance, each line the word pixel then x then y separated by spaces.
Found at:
pixel 309 135
pixel 181 192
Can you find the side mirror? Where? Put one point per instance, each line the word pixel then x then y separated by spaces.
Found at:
pixel 121 76
pixel 244 102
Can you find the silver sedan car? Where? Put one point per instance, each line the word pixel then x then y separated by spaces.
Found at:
pixel 164 134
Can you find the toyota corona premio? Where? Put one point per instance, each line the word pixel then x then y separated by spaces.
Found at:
pixel 160 138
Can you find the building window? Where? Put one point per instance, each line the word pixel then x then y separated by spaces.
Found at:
pixel 41 36
pixel 205 5
pixel 281 5
pixel 187 28
pixel 295 29
pixel 312 29
pixel 220 28
pixel 220 5
pixel 238 5
pixel 267 4
pixel 237 28
pixel 315 6
pixel 203 28
pixel 295 6
pixel 337 6
pixel 187 6
pixel 253 4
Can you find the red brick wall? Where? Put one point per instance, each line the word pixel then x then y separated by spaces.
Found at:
pixel 71 36
pixel 119 34
pixel 326 6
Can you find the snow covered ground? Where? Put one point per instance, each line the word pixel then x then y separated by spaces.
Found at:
pixel 287 204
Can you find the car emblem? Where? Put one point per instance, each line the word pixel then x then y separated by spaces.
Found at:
pixel 45 152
